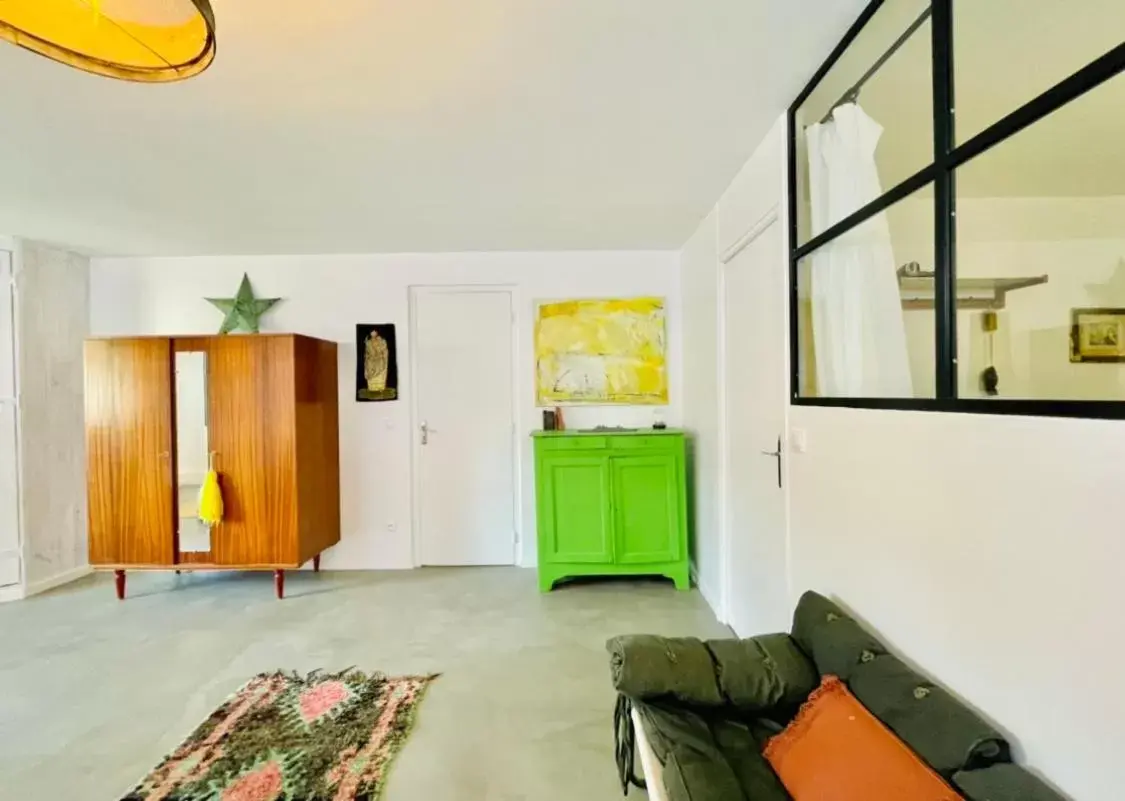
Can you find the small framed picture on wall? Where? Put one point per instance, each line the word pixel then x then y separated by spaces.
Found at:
pixel 376 369
pixel 1097 335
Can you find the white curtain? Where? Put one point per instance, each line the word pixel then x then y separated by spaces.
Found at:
pixel 858 327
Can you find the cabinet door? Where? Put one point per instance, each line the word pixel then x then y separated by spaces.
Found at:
pixel 252 398
pixel 129 451
pixel 646 508
pixel 574 513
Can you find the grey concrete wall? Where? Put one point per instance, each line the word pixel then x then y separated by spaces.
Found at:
pixel 54 319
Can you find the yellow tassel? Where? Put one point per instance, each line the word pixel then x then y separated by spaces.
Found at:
pixel 210 500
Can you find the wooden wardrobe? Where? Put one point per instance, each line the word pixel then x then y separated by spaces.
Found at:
pixel 267 407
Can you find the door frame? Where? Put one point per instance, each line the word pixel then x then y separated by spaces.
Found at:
pixel 771 218
pixel 9 295
pixel 414 291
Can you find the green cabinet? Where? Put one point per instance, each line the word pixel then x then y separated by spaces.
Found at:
pixel 611 504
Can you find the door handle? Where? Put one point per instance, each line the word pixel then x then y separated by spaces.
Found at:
pixel 425 429
pixel 777 455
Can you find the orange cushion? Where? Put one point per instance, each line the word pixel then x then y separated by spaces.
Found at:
pixel 835 750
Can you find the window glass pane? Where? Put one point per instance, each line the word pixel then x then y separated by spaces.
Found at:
pixel 1046 208
pixel 861 334
pixel 894 128
pixel 1008 52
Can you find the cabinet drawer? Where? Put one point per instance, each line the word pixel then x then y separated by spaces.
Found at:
pixel 656 442
pixel 572 443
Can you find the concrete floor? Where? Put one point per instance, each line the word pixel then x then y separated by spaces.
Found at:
pixel 95 692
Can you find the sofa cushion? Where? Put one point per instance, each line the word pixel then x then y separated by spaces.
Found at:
pixel 944 732
pixel 1004 782
pixel 763 674
pixel 834 641
pixel 835 750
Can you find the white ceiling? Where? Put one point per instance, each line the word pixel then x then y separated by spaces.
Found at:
pixel 412 125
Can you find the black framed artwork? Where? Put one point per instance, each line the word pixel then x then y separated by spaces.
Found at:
pixel 376 363
pixel 949 147
pixel 1097 335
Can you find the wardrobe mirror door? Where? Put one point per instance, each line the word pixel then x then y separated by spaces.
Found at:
pixel 192 448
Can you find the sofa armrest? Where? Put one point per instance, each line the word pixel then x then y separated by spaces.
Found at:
pixel 755 676
pixel 704 755
pixel 650 765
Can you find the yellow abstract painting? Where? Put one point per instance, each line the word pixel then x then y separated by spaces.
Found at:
pixel 600 352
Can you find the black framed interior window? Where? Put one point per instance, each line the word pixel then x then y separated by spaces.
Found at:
pixel 957 211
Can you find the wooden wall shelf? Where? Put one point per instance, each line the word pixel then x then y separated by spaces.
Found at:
pixel 977 294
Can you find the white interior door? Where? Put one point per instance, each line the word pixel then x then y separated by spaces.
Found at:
pixel 9 468
pixel 464 428
pixel 754 368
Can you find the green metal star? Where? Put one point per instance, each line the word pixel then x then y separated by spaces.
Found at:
pixel 243 310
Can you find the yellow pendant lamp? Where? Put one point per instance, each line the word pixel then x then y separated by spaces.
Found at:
pixel 135 40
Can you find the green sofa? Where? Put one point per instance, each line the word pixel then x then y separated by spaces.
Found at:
pixel 706 709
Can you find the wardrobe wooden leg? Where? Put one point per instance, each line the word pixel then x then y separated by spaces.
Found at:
pixel 316 563
pixel 279 583
pixel 119 582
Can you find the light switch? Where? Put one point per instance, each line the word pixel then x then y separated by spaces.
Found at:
pixel 798 440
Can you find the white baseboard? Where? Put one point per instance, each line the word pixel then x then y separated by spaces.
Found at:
pixel 708 594
pixel 13 593
pixel 57 581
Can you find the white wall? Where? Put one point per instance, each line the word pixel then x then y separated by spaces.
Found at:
pixel 989 550
pixel 755 192
pixel 53 319
pixel 326 296
pixel 699 264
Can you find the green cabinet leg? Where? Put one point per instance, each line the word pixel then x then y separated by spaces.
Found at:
pixel 682 580
pixel 546 582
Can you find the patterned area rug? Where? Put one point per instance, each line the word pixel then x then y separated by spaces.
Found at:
pixel 287 738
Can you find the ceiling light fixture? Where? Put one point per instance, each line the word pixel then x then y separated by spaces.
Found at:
pixel 135 40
